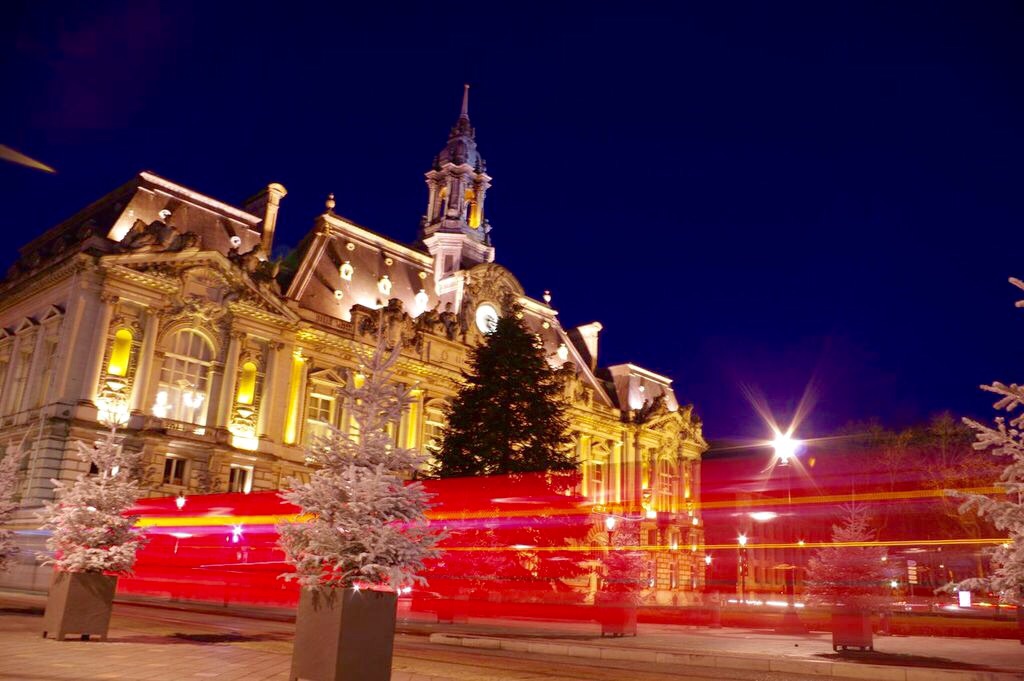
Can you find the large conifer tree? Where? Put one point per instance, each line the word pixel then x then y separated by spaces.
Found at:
pixel 509 417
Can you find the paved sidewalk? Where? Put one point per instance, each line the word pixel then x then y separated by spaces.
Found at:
pixel 942 652
pixel 896 658
pixel 147 645
pixel 166 647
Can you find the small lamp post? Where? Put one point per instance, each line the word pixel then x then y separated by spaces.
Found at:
pixel 785 450
pixel 742 565
pixel 609 525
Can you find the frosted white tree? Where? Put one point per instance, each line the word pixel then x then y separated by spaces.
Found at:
pixel 1005 440
pixel 366 525
pixel 8 485
pixel 1005 511
pixel 851 572
pixel 90 529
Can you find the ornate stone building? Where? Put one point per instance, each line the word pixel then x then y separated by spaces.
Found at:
pixel 158 306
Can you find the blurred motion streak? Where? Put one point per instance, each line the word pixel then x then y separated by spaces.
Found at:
pixel 8 154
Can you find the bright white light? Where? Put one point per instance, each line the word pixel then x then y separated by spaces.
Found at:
pixel 763 516
pixel 965 598
pixel 422 299
pixel 742 539
pixel 785 448
pixel 236 533
pixel 180 501
pixel 893 583
pixel 707 559
pixel 609 523
pixel 192 400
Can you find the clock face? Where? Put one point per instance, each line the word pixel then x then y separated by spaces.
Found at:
pixel 486 318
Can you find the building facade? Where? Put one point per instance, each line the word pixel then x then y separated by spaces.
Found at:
pixel 159 307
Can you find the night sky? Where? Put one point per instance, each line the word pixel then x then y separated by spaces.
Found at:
pixel 749 196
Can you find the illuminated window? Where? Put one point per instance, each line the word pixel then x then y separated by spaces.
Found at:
pixel 247 383
pixel 184 379
pixel 120 353
pixel 319 416
pixel 433 428
pixel 174 471
pixel 664 485
pixel 240 479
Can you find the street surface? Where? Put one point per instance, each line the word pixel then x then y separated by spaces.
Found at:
pixel 158 644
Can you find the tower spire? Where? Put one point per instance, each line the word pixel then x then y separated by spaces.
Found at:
pixel 465 102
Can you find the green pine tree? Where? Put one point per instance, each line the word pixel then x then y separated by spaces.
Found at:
pixel 509 417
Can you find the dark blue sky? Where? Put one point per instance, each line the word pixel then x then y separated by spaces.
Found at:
pixel 744 194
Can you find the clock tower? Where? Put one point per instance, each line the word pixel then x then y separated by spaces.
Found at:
pixel 454 228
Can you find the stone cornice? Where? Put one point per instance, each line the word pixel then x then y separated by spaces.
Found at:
pixel 31 285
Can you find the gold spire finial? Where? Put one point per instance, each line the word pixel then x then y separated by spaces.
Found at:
pixel 330 203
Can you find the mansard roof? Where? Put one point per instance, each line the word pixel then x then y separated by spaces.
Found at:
pixel 146 212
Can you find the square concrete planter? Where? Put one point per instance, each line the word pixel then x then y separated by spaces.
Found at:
pixel 344 635
pixel 79 603
pixel 852 629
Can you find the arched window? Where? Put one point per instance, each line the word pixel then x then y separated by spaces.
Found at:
pixel 600 474
pixel 183 388
pixel 247 384
pixel 120 353
pixel 433 425
pixel 664 485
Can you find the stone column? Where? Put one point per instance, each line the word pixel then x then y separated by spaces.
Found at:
pixel 12 370
pixel 144 367
pixel 270 401
pixel 226 397
pixel 101 327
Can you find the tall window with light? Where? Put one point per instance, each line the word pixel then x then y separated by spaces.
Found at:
pixel 183 388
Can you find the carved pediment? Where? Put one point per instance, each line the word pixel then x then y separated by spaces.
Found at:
pixel 24 325
pixel 334 376
pixel 52 312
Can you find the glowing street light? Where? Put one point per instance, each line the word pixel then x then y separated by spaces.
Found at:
pixel 179 501
pixel 785 447
pixel 609 524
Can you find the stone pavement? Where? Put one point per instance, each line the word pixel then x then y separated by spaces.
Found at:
pixel 176 642
pixel 997 655
pixel 162 646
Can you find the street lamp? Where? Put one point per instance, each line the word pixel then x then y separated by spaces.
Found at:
pixel 609 524
pixel 742 566
pixel 786 447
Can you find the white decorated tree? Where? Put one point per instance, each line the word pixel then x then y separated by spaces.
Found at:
pixel 1006 511
pixel 89 525
pixel 851 573
pixel 1004 440
pixel 366 525
pixel 8 486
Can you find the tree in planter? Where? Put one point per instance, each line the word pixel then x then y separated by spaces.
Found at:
pixel 624 566
pixel 850 577
pixel 8 485
pixel 1005 511
pixel 507 427
pixel 91 537
pixel 366 537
